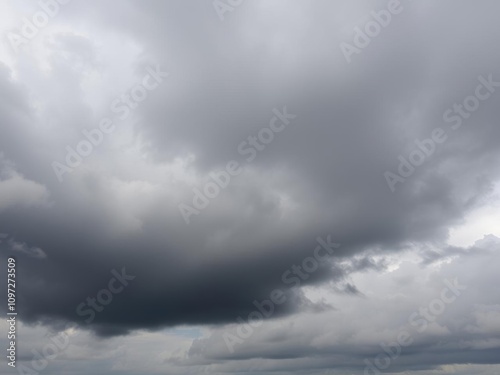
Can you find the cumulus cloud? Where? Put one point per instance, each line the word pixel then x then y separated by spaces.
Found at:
pixel 117 207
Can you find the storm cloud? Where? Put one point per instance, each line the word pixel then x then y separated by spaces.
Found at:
pixel 419 100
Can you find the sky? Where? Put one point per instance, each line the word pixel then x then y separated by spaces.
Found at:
pixel 251 187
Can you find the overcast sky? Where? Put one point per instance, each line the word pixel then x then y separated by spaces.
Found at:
pixel 251 187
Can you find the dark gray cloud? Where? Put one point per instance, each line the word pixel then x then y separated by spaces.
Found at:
pixel 323 175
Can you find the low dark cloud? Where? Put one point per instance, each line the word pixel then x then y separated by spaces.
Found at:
pixel 321 176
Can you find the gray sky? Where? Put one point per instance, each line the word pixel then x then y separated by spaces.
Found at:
pixel 390 151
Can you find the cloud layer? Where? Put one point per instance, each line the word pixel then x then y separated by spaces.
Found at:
pixel 118 208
